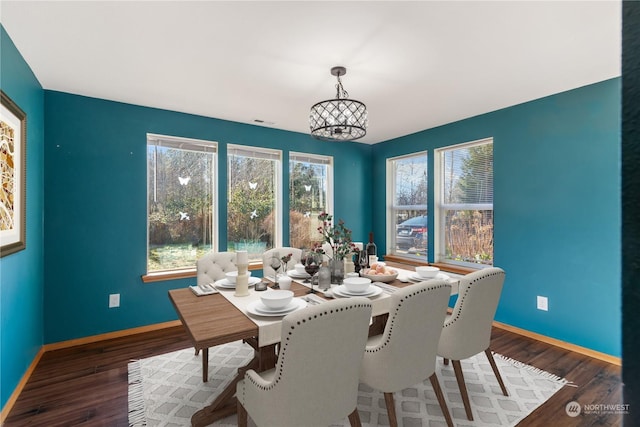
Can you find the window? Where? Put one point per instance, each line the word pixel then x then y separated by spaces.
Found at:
pixel 310 193
pixel 464 199
pixel 181 195
pixel 407 216
pixel 253 222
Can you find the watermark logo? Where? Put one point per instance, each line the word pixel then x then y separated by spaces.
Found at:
pixel 573 409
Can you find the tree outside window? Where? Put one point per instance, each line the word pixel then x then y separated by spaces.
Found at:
pixel 310 194
pixel 181 183
pixel 407 232
pixel 252 218
pixel 466 204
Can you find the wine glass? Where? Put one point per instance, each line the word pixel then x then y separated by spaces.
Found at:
pixel 311 266
pixel 363 260
pixel 303 261
pixel 275 264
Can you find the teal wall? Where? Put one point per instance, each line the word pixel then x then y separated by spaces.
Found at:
pixel 557 209
pixel 96 197
pixel 22 273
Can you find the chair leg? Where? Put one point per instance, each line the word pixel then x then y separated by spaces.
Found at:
pixel 492 362
pixel 391 409
pixel 457 368
pixel 443 404
pixel 242 415
pixel 354 418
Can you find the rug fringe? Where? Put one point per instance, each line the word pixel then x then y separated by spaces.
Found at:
pixel 137 416
pixel 540 372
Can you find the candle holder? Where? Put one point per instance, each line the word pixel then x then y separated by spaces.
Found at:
pixel 242 281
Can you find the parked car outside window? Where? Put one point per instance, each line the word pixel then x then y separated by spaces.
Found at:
pixel 412 234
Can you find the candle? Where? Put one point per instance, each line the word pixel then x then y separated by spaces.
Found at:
pixel 242 258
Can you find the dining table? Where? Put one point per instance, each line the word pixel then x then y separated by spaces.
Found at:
pixel 222 317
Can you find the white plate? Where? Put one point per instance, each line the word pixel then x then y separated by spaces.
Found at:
pixel 440 275
pixel 343 292
pixel 296 304
pixel 225 284
pixel 296 275
pixel 262 308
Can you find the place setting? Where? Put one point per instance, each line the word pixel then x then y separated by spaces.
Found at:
pixel 275 303
pixel 298 272
pixel 356 287
pixel 229 282
pixel 423 273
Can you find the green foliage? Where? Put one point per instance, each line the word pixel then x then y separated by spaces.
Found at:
pixel 251 199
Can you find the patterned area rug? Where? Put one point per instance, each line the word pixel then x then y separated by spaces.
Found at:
pixel 167 390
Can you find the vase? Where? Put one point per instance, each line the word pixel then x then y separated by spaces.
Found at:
pixel 337 271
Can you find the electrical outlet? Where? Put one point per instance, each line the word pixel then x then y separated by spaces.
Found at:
pixel 543 303
pixel 114 300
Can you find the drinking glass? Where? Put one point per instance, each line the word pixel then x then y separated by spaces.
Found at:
pixel 311 266
pixel 363 260
pixel 275 263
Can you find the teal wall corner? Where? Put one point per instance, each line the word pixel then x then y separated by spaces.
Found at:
pixel 556 206
pixel 22 273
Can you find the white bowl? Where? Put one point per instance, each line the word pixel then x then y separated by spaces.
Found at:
pixel 357 285
pixel 427 272
pixel 276 299
pixel 232 275
pixel 300 269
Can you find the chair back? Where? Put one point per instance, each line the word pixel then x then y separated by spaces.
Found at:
pixel 315 382
pixel 468 330
pixel 213 266
pixel 267 271
pixel 405 353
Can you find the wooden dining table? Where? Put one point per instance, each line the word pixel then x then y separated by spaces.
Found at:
pixel 213 320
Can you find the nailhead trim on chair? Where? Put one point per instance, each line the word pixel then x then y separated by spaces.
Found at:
pixel 395 313
pixel 283 350
pixel 462 297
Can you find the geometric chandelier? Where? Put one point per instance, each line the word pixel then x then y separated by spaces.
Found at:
pixel 339 119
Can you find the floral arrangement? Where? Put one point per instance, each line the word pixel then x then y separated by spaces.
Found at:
pixel 338 236
pixel 285 261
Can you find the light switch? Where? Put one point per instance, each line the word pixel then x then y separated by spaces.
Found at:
pixel 543 303
pixel 114 300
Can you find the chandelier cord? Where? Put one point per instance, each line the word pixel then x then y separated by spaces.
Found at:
pixel 341 93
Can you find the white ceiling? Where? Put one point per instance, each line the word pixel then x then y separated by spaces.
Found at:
pixel 416 65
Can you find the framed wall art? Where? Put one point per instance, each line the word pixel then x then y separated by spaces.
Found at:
pixel 13 177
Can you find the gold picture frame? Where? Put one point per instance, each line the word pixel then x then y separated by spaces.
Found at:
pixel 13 177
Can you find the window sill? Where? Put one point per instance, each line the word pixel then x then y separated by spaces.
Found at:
pixel 187 273
pixel 451 268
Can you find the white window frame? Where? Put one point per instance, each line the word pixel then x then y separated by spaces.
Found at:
pixel 198 145
pixel 391 208
pixel 440 208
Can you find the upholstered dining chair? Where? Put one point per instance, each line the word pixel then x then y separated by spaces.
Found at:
pixel 467 331
pixel 296 254
pixel 405 353
pixel 315 381
pixel 213 266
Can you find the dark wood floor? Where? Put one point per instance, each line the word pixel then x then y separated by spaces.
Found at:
pixel 87 385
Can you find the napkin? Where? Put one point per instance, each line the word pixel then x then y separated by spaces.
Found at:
pixel 203 291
